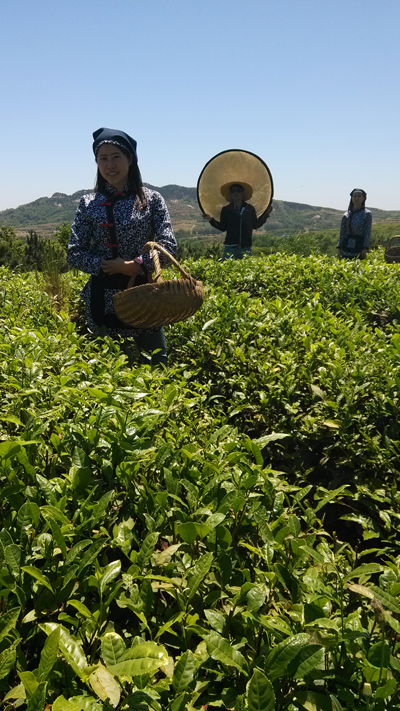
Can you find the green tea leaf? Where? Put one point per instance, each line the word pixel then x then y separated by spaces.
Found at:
pixel 18 692
pixel 111 572
pixel 35 573
pixel 219 649
pixel 147 549
pixel 29 681
pixel 79 458
pixel 184 672
pixel 216 619
pixel 12 556
pixel 38 698
pixel 379 654
pixel 7 661
pixel 167 626
pixel 112 648
pixel 9 449
pixel 190 531
pixel 76 703
pixel 313 700
pixel 50 511
pixel 266 439
pixel 198 573
pixel 387 600
pixel 260 693
pixel 361 590
pixel 58 537
pixel 8 621
pixel 101 507
pixel 91 554
pixel 384 692
pixel 306 660
pixel 76 549
pixel 49 654
pixel 81 608
pixel 256 598
pixel 11 418
pixel 366 569
pixel 144 658
pixel 70 648
pixel 47 489
pixel 331 495
pixel 280 656
pixel 105 686
pixel 29 513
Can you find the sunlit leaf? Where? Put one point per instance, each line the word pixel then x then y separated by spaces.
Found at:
pixel 7 661
pixel 105 686
pixel 141 659
pixel 70 648
pixel 35 573
pixel 219 649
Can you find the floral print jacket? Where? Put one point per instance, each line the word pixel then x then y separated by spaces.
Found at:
pixel 90 239
pixel 356 223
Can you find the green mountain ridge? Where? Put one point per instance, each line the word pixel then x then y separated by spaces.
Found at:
pixel 185 214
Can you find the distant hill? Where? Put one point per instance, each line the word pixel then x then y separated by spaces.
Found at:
pixel 46 213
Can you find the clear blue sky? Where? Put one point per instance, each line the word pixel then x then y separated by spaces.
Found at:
pixel 312 86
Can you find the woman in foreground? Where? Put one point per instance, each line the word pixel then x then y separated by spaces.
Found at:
pixel 355 228
pixel 110 229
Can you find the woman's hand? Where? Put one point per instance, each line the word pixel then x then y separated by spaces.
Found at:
pixel 206 217
pixel 120 266
pixel 363 254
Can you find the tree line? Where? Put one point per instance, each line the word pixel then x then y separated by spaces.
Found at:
pixel 34 252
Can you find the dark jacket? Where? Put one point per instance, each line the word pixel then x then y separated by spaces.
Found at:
pixel 238 225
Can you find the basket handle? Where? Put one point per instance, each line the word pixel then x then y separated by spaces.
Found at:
pixel 155 247
pixel 389 244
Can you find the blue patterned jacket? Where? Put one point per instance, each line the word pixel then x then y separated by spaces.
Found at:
pixel 356 223
pixel 90 239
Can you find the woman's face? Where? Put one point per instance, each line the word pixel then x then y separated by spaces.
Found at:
pixel 357 198
pixel 113 165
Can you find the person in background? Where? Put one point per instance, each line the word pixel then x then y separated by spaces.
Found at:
pixel 110 229
pixel 238 219
pixel 355 228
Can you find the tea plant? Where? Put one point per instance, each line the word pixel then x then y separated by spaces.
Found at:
pixel 226 538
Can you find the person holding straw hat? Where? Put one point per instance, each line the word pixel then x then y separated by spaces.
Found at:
pixel 238 220
pixel 110 229
pixel 234 192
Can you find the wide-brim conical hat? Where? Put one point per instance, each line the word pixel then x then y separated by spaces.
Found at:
pixel 231 167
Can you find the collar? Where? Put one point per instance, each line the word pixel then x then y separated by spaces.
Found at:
pixel 110 190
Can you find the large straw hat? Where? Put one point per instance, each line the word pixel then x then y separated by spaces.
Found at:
pixel 230 168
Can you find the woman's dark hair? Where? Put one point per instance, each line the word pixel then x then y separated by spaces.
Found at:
pixel 351 205
pixel 134 180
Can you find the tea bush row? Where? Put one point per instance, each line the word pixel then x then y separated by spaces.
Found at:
pixel 222 534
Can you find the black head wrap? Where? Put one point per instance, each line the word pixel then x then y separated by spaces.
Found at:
pixel 358 190
pixel 110 135
pixel 351 206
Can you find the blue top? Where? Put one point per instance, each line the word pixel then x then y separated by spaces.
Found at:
pixel 360 225
pixel 90 239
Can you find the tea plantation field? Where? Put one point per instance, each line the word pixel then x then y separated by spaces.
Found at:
pixel 224 535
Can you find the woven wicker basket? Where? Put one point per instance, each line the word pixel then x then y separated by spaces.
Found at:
pixel 392 251
pixel 159 302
